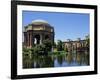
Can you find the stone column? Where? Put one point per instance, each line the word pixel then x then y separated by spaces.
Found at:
pixel 30 40
pixel 33 39
pixel 40 38
pixel 52 37
pixel 24 39
pixel 27 38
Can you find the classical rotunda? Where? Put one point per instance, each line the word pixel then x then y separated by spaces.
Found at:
pixel 36 32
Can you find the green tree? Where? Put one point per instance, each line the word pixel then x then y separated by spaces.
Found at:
pixel 39 49
pixel 59 45
pixel 66 49
pixel 42 48
pixel 32 50
pixel 54 45
pixel 63 46
pixel 26 49
pixel 48 44
pixel 87 41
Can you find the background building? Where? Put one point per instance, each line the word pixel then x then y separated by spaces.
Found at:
pixel 78 45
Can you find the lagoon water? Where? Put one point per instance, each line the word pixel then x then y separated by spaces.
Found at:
pixel 67 59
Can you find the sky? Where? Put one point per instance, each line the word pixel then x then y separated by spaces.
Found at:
pixel 66 25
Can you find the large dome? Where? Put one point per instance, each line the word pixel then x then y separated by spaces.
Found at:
pixel 39 21
pixel 39 24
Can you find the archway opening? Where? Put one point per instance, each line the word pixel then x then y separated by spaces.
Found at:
pixel 37 39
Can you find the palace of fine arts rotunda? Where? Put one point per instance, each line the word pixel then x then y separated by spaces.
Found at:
pixel 37 31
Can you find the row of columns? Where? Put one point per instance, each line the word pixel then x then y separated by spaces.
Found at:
pixel 30 38
pixel 76 45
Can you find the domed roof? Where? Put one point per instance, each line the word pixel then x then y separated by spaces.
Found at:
pixel 39 24
pixel 39 21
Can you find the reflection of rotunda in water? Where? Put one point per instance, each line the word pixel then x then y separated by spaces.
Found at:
pixel 36 32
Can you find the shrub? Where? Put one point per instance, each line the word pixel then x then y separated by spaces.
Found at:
pixel 26 49
pixel 48 44
pixel 38 49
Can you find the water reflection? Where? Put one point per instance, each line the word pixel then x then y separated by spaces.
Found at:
pixel 57 60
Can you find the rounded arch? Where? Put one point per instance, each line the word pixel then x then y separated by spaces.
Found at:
pixel 37 39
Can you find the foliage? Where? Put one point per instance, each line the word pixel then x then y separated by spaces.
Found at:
pixel 59 45
pixel 32 50
pixel 26 49
pixel 38 49
pixel 54 45
pixel 63 46
pixel 87 42
pixel 66 49
pixel 48 44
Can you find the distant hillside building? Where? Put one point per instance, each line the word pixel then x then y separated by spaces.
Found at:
pixel 38 31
